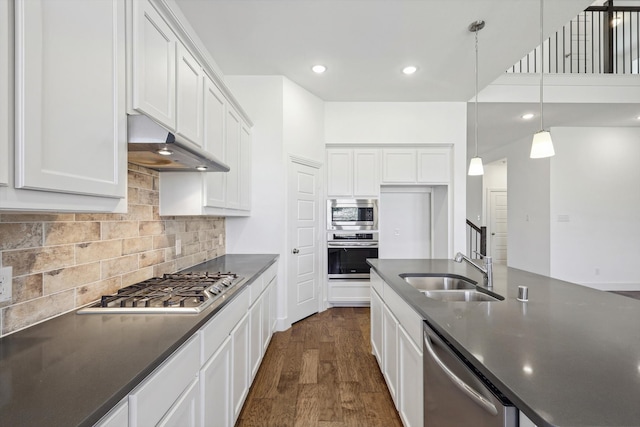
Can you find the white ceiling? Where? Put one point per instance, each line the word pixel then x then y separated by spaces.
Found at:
pixel 366 43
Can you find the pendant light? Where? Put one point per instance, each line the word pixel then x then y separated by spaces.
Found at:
pixel 542 145
pixel 475 165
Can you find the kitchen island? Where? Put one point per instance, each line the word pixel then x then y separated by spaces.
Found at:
pixel 71 370
pixel 569 356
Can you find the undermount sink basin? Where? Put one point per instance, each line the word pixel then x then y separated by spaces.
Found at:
pixel 438 283
pixel 461 295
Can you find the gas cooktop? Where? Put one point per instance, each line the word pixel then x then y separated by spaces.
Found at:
pixel 172 293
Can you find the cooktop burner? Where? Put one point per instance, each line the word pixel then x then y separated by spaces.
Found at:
pixel 172 293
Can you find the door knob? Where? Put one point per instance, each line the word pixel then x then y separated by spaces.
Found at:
pixel 295 250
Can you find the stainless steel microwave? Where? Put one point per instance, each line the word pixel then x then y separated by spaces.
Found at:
pixel 352 214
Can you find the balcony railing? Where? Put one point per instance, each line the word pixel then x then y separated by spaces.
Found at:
pixel 602 39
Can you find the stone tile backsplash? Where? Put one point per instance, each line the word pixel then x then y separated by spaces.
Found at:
pixel 62 261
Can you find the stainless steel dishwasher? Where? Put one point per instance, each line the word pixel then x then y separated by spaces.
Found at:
pixel 456 394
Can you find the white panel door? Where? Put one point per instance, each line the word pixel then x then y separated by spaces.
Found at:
pixel 498 226
pixel 6 61
pixel 214 141
pixel 215 386
pixel 304 255
pixel 189 92
pixel 154 64
pixel 70 96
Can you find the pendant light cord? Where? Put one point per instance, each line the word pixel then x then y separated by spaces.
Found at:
pixel 476 102
pixel 541 64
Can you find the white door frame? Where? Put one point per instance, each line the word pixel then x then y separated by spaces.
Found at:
pixel 321 256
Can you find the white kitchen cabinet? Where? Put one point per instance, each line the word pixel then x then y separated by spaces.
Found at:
pixel 232 149
pixel 410 395
pixel 215 106
pixel 351 292
pixel 525 421
pixel 153 65
pixel 244 167
pixel 6 62
pixel 267 315
pixel 416 166
pixel 390 352
pixel 158 394
pixel 70 132
pixel 434 165
pixel 116 417
pixel 255 334
pixel 186 411
pixel 376 325
pixel 215 385
pixel 353 172
pixel 189 94
pixel 240 365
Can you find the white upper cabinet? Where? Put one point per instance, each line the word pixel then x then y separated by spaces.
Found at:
pixel 245 167
pixel 430 165
pixel 190 93
pixel 232 150
pixel 154 65
pixel 353 172
pixel 5 64
pixel 214 141
pixel 70 98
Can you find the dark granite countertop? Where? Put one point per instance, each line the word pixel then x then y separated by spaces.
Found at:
pixel 71 370
pixel 570 356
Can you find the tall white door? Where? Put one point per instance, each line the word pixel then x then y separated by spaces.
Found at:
pixel 304 251
pixel 498 225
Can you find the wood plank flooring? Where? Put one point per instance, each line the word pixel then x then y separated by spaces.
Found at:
pixel 321 373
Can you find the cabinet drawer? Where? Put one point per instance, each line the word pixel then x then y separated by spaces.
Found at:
pixel 407 317
pixel 376 282
pixel 157 394
pixel 220 326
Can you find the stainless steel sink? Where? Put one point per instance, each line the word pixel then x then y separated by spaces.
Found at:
pixel 438 283
pixel 466 295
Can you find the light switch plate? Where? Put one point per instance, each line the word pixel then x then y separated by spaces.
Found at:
pixel 6 283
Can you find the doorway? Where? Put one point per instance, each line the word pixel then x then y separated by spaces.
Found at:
pixel 497 225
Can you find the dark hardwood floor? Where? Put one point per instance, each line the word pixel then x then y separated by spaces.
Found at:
pixel 321 373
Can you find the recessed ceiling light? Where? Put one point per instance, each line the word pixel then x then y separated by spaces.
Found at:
pixel 528 116
pixel 409 70
pixel 319 69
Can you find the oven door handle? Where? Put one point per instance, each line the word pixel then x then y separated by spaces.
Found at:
pixel 351 245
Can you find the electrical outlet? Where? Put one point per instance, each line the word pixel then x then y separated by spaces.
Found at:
pixel 178 247
pixel 6 283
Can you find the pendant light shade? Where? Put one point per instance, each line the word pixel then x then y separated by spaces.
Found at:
pixel 542 145
pixel 475 165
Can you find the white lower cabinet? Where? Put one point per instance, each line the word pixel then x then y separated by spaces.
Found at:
pixel 255 346
pixel 525 421
pixel 396 341
pixel 215 385
pixel 240 364
pixel 116 417
pixel 353 292
pixel 186 411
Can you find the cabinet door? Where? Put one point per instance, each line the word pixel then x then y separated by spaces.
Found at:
pixel 434 165
pixel 390 352
pixel 266 316
pixel 399 165
pixel 6 62
pixel 154 65
pixel 119 415
pixel 186 411
pixel 214 141
pixel 410 393
pixel 273 305
pixel 232 159
pixel 366 181
pixel 240 365
pixel 189 92
pixel 245 167
pixel 215 385
pixel 376 326
pixel 70 97
pixel 339 173
pixel 255 333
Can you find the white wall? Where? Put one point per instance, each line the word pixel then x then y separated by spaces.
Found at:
pixel 408 122
pixel 595 207
pixel 303 122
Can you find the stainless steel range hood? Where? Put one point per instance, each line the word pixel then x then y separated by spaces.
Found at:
pixel 154 147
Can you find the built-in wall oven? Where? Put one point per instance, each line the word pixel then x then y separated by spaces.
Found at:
pixel 347 253
pixel 352 214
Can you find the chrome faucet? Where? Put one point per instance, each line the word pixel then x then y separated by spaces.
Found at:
pixel 487 271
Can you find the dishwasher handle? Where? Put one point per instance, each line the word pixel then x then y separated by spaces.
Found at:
pixel 464 387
